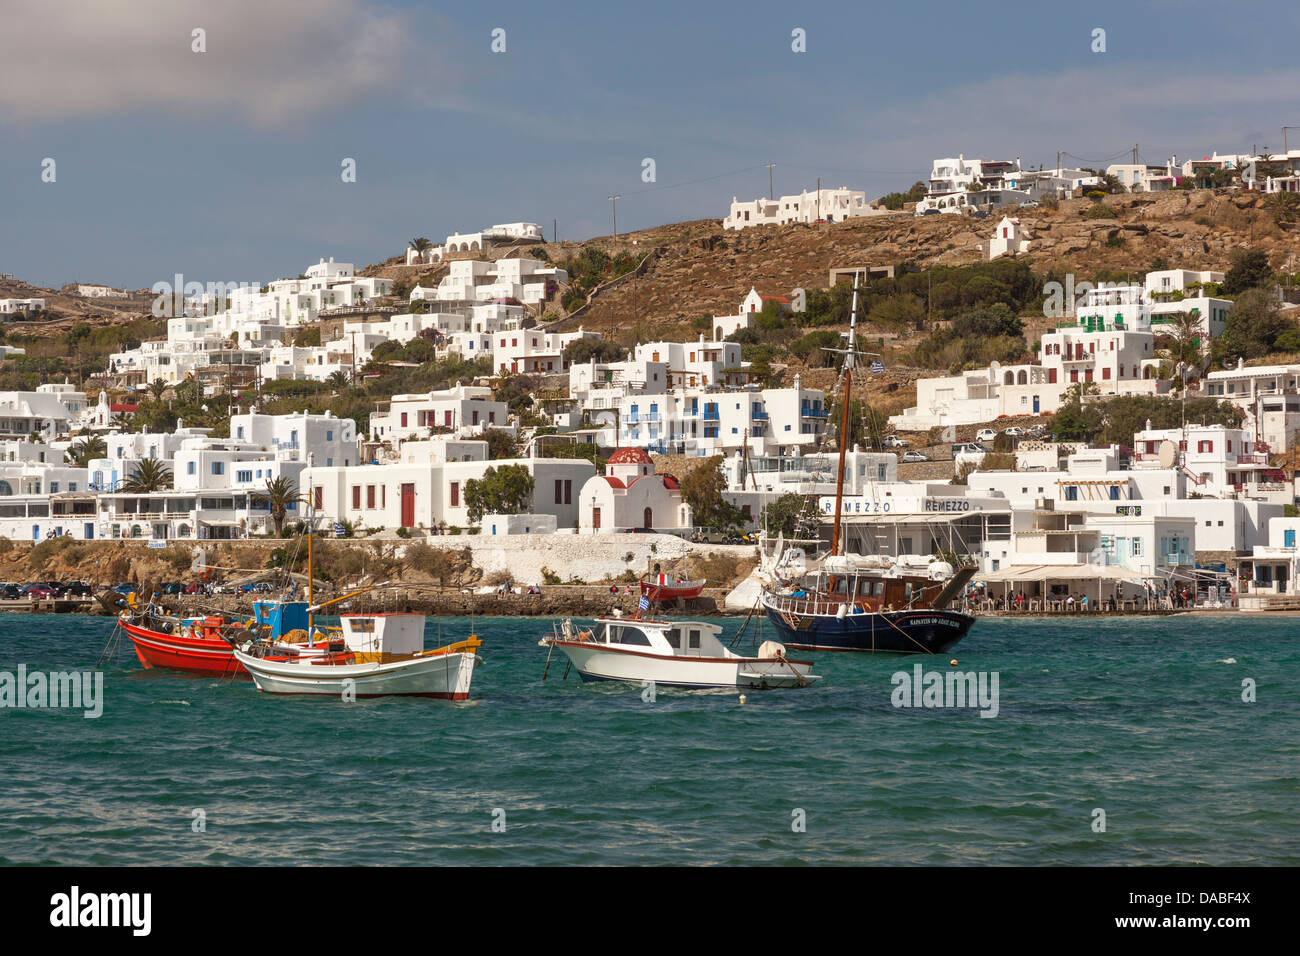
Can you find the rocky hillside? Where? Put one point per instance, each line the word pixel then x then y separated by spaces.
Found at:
pixel 702 270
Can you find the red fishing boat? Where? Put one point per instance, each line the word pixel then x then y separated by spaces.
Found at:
pixel 664 590
pixel 193 645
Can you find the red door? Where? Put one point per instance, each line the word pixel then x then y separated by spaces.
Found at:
pixel 649 518
pixel 595 518
pixel 408 506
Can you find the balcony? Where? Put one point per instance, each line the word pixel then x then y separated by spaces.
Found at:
pixel 711 415
pixel 813 413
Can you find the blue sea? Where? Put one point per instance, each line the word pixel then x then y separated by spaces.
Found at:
pixel 1142 719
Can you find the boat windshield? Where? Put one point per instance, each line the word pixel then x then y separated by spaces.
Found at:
pixel 619 634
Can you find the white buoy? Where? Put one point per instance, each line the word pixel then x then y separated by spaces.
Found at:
pixel 742 698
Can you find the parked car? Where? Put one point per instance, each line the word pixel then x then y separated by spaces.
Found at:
pixel 1015 431
pixel 78 589
pixel 893 441
pixel 126 587
pixel 171 587
pixel 986 434
pixel 911 456
pixel 38 591
pixel 10 592
pixel 1037 430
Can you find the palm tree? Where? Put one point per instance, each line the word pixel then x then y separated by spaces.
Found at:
pixel 337 379
pixel 421 246
pixel 150 475
pixel 156 389
pixel 280 493
pixel 1184 356
pixel 83 452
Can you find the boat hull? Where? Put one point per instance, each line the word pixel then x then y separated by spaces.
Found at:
pixel 444 676
pixel 893 632
pixel 667 593
pixel 195 655
pixel 594 662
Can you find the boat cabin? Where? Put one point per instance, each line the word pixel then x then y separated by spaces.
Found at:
pixel 386 635
pixel 679 638
pixel 282 617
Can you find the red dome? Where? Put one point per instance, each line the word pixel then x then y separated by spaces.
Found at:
pixel 630 456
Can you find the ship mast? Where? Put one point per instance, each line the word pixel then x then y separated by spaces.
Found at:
pixel 845 393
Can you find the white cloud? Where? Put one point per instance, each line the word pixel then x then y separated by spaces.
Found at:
pixel 265 61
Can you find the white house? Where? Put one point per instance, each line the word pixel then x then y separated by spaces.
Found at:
pixel 9 306
pixel 819 205
pixel 1008 239
pixel 426 486
pixel 462 409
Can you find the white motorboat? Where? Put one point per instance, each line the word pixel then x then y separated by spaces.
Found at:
pixel 674 654
pixel 376 655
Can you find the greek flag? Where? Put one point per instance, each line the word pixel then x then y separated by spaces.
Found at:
pixel 645 602
pixel 877 365
pixel 339 530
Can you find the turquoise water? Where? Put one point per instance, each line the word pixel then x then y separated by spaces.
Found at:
pixel 1142 718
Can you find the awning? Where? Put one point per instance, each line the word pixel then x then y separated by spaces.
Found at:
pixel 1065 572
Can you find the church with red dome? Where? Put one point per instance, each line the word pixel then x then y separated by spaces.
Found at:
pixel 632 495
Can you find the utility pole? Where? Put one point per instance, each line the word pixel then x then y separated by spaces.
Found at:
pixel 819 197
pixel 770 191
pixel 555 230
pixel 1135 154
pixel 614 205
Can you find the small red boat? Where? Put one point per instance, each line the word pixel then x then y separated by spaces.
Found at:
pixel 664 591
pixel 190 645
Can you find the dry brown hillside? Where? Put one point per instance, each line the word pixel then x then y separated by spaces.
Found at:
pixel 702 270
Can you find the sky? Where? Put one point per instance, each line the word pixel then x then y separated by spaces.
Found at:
pixel 225 165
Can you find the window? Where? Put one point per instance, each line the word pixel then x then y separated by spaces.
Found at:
pixel 568 491
pixel 218 467
pixel 356 497
pixel 1137 547
pixel 191 468
pixel 559 491
pixel 1071 492
pixel 245 476
pixel 454 488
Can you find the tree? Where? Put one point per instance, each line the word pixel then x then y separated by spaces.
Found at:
pixel 150 475
pixel 1185 347
pixel 505 490
pixel 82 453
pixel 867 426
pixel 421 245
pixel 784 515
pixel 501 444
pixel 337 380
pixel 1249 269
pixel 584 350
pixel 279 495
pixel 702 490
pixel 156 389
pixel 1253 327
